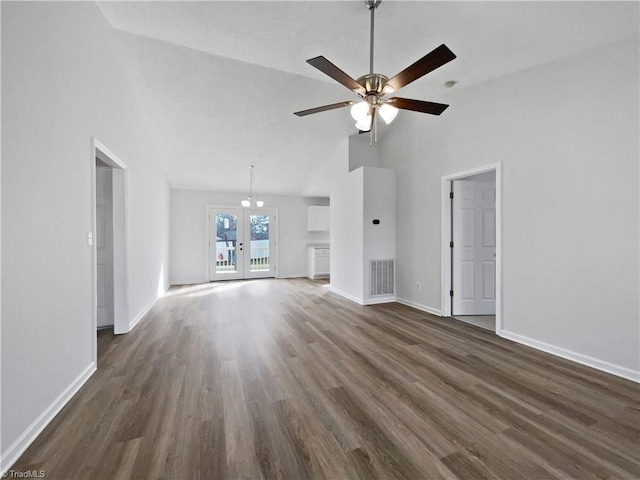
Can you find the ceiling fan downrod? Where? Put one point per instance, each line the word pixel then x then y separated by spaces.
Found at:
pixel 373 131
pixel 371 5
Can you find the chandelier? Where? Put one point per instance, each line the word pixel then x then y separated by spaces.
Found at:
pixel 251 202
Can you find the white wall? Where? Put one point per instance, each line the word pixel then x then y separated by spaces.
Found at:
pixel 357 198
pixel 189 237
pixel 347 208
pixel 567 135
pixel 62 83
pixel 362 152
pixel 379 241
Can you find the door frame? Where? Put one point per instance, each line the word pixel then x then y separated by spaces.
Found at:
pixel 208 239
pixel 120 242
pixel 446 230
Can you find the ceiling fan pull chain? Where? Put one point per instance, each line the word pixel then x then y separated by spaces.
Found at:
pixel 373 130
pixel 374 119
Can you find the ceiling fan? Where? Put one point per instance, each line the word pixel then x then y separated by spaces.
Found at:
pixel 373 87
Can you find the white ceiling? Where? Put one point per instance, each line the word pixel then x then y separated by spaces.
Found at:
pixel 218 82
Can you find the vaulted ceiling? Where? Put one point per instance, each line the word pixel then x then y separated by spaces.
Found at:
pixel 218 82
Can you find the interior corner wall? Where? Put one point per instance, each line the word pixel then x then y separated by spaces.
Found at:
pixel 347 208
pixel 189 234
pixel 62 84
pixel 567 136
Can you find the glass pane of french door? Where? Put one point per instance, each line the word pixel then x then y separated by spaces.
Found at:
pixel 259 230
pixel 226 243
pixel 260 233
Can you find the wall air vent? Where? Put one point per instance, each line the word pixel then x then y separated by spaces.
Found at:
pixel 382 277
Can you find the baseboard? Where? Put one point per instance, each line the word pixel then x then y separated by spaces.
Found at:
pixel 186 282
pixel 377 301
pixel 292 275
pixel 361 301
pixel 617 370
pixel 346 295
pixel 419 306
pixel 134 321
pixel 17 448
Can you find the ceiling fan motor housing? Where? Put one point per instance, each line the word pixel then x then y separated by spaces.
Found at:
pixel 373 83
pixel 372 3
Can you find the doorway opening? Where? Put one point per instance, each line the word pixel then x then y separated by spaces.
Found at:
pixel 108 239
pixel 471 247
pixel 241 243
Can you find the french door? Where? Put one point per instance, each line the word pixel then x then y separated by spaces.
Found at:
pixel 241 243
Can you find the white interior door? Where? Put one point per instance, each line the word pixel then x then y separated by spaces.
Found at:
pixel 474 245
pixel 242 243
pixel 104 246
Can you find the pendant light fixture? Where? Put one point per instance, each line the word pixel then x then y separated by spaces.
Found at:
pixel 251 202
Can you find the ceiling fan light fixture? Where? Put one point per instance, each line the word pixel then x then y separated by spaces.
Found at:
pixel 245 203
pixel 259 203
pixel 388 113
pixel 364 124
pixel 359 110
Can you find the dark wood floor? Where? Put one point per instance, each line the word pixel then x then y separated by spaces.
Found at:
pixel 282 379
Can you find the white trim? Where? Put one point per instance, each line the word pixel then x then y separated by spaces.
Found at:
pixel 94 255
pixel 204 280
pixel 17 448
pixel 346 295
pixel 109 157
pixel 607 367
pixel 188 282
pixel 121 249
pixel 380 299
pixel 419 306
pixel 134 321
pixel 361 301
pixel 445 229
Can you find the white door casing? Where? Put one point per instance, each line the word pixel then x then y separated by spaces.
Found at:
pixel 474 245
pixel 120 261
pixel 104 246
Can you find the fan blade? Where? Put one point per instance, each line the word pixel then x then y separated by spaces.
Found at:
pixel 418 105
pixel 324 108
pixel 426 64
pixel 328 68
